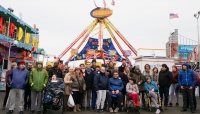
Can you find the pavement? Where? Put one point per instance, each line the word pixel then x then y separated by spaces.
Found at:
pixel 171 110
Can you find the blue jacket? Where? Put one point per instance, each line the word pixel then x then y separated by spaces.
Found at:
pixel 149 86
pixel 18 78
pixel 101 82
pixel 187 77
pixel 116 84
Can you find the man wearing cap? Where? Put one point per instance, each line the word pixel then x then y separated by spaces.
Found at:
pixel 38 80
pixel 17 80
pixel 187 80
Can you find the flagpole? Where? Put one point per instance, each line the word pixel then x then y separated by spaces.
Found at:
pixel 169 39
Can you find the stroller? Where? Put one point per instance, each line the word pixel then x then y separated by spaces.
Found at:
pixel 54 96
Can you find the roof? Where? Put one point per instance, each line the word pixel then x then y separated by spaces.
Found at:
pixel 17 21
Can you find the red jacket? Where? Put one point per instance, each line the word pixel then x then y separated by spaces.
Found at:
pixel 175 76
pixel 7 72
pixel 197 78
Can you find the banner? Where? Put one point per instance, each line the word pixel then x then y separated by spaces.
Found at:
pixel 185 51
pixel 27 38
pixel 91 47
pixel 20 33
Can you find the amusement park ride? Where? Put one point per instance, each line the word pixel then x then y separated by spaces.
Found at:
pixel 100 50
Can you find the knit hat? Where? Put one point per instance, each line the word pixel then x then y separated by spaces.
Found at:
pixel 40 62
pixel 22 62
pixel 137 68
pixel 49 64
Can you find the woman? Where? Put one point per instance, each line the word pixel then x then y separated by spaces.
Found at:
pixel 77 83
pixel 133 91
pixel 81 77
pixel 151 88
pixel 147 71
pixel 111 66
pixel 125 77
pixel 155 75
pixel 109 74
pixel 174 86
pixel 68 82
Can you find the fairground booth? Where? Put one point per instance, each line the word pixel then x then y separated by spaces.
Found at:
pixel 18 41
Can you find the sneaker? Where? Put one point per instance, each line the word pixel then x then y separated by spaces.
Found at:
pixel 101 110
pixel 21 112
pixel 116 110
pixel 192 110
pixel 183 110
pixel 10 112
pixel 166 108
pixel 111 110
pixel 177 104
pixel 157 111
pixel 170 104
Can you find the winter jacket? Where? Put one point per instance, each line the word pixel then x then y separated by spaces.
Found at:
pixel 130 88
pixel 139 78
pixel 165 78
pixel 116 84
pixel 121 68
pixel 197 79
pixel 56 71
pixel 18 78
pixel 175 76
pixel 149 86
pixel 125 79
pixel 7 73
pixel 111 69
pixel 101 82
pixel 89 79
pixel 38 79
pixel 186 78
pixel 76 81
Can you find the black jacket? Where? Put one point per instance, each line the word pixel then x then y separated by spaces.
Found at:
pixel 89 79
pixel 56 71
pixel 165 78
pixel 101 82
pixel 121 69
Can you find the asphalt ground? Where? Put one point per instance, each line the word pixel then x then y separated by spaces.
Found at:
pixel 171 110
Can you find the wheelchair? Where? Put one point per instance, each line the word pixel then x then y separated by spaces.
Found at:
pixel 114 104
pixel 130 104
pixel 149 102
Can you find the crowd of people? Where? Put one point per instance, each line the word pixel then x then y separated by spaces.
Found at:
pixel 93 87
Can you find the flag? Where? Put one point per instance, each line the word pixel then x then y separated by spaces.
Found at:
pixel 172 15
pixel 95 4
pixel 104 2
pixel 113 2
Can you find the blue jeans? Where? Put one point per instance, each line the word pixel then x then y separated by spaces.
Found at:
pixel 94 98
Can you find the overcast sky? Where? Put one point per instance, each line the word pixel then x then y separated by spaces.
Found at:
pixel 144 23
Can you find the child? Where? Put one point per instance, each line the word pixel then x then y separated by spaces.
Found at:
pixel 133 91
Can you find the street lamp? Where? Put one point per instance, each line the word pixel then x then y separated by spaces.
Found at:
pixel 197 17
pixel 14 43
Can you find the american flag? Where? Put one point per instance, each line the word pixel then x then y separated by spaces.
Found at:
pixel 113 2
pixel 172 15
pixel 104 2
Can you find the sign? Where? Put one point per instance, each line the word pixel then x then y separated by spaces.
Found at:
pixel 101 12
pixel 185 51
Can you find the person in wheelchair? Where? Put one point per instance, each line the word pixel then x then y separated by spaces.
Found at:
pixel 115 91
pixel 54 88
pixel 152 91
pixel 133 92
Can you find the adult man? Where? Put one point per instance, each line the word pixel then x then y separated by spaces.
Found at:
pixel 121 68
pixel 101 86
pixel 27 95
pixel 38 80
pixel 187 80
pixel 13 66
pixel 94 64
pixel 165 80
pixel 56 70
pixel 89 84
pixel 17 80
pixel 115 90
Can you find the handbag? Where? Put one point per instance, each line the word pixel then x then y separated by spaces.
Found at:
pixel 80 87
pixel 70 101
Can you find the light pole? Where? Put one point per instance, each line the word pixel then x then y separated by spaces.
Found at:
pixel 14 43
pixel 197 17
